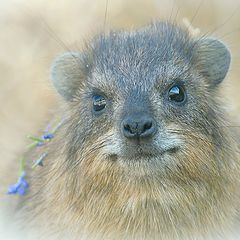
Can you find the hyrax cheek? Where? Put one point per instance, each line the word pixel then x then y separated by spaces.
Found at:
pixel 112 144
pixel 168 141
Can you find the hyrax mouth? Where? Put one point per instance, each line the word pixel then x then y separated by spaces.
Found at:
pixel 146 152
pixel 155 149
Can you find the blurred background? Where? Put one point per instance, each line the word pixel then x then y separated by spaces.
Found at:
pixel 33 32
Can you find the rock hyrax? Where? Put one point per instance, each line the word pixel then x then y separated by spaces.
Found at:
pixel 144 152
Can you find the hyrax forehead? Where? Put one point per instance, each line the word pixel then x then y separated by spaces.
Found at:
pixel 143 57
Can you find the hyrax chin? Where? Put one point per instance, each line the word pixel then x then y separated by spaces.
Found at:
pixel 144 151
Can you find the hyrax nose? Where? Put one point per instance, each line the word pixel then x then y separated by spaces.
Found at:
pixel 138 126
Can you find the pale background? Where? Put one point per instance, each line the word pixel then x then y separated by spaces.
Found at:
pixel 31 33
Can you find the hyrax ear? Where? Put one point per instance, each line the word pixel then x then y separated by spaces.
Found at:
pixel 212 59
pixel 67 73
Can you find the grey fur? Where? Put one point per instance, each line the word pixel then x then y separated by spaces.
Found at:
pixel 180 183
pixel 66 74
pixel 213 59
pixel 142 55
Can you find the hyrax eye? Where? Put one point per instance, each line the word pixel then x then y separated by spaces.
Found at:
pixel 99 103
pixel 176 94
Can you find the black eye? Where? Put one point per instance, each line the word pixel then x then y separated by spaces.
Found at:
pixel 99 103
pixel 176 94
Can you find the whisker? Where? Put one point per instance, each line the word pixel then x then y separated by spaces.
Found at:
pixel 197 137
pixel 171 14
pixel 176 16
pixel 196 12
pixel 223 23
pixel 95 148
pixel 53 34
pixel 45 26
pixel 105 16
pixel 49 30
pixel 229 33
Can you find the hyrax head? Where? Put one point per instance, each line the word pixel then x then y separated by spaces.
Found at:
pixel 144 101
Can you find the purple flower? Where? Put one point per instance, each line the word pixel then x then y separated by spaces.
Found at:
pixel 48 136
pixel 20 187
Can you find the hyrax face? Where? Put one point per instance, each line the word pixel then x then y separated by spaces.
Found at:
pixel 145 102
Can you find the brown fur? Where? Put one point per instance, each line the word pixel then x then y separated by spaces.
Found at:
pixel 97 199
pixel 134 193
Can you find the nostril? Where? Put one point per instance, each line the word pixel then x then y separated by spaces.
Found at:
pixel 127 128
pixel 147 126
pixel 140 127
pixel 131 128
